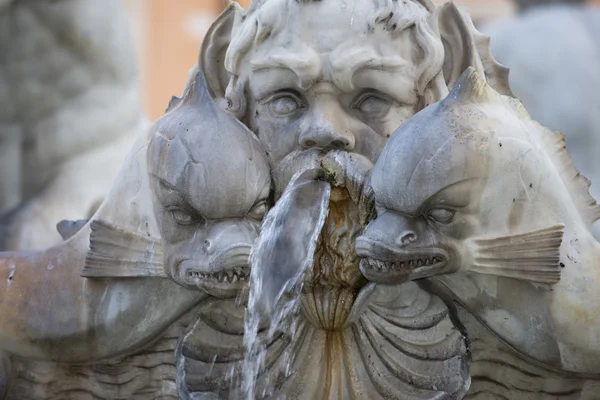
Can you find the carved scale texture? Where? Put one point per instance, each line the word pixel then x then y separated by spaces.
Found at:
pixel 147 375
pixel 401 345
pixel 498 373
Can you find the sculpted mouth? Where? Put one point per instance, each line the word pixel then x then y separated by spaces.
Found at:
pixel 224 275
pixel 381 263
pixel 435 261
pixel 235 275
pixel 404 268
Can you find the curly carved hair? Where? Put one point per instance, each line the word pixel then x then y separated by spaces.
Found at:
pixel 264 18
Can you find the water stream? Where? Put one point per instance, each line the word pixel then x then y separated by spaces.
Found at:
pixel 281 262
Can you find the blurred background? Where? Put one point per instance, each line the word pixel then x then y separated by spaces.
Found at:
pixel 168 36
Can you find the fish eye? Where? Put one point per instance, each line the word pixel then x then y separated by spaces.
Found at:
pixel 372 105
pixel 442 215
pixel 181 216
pixel 259 210
pixel 284 104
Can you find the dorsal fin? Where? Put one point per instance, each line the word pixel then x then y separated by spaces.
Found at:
pixel 471 87
pixel 496 74
pixel 577 184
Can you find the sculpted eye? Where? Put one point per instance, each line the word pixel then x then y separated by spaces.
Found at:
pixel 441 215
pixel 284 104
pixel 372 106
pixel 259 210
pixel 181 216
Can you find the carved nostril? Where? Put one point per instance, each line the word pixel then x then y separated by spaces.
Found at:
pixel 310 143
pixel 339 144
pixel 408 238
pixel 207 246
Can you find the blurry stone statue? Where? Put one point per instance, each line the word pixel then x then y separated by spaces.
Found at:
pixel 554 56
pixel 110 279
pixel 484 201
pixel 242 234
pixel 70 113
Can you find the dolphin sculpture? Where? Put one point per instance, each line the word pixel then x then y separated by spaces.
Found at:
pixel 475 195
pixel 175 226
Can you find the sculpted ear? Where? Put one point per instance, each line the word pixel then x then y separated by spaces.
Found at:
pixel 214 47
pixel 460 52
pixel 464 47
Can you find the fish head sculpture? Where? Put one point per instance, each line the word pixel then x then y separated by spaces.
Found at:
pixel 461 186
pixel 324 86
pixel 211 185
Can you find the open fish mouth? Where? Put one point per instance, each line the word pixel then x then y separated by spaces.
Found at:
pixel 225 275
pixel 412 263
pixel 403 267
pixel 236 275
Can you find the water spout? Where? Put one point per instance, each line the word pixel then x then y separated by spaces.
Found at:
pixel 281 262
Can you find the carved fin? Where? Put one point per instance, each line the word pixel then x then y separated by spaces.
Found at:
pixel 117 253
pixel 174 102
pixel 68 229
pixel 577 185
pixel 496 74
pixel 532 256
pixel 470 87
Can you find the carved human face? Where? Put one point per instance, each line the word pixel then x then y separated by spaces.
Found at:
pixel 332 82
pixel 211 183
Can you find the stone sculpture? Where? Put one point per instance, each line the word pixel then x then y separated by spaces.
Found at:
pixel 487 204
pixel 214 232
pixel 307 121
pixel 558 93
pixel 211 184
pixel 65 66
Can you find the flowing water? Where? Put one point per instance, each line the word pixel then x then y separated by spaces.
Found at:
pixel 281 261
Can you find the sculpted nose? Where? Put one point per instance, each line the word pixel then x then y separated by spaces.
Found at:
pixel 327 139
pixel 406 238
pixel 330 128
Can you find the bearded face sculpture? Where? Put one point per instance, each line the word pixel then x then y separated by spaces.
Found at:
pixel 325 94
pixel 310 88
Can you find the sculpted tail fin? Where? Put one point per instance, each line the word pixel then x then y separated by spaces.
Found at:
pixel 117 253
pixel 532 256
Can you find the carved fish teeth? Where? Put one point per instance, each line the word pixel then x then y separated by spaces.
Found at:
pixel 419 263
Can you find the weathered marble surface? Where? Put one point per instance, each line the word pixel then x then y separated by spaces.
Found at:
pixel 554 55
pixel 173 234
pixel 486 204
pixel 149 375
pixel 388 344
